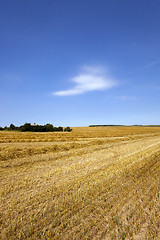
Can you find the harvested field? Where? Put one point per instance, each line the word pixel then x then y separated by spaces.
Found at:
pixel 92 183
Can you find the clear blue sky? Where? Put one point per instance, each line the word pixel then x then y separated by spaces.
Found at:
pixel 79 62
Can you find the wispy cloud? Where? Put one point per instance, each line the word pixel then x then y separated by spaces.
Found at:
pixel 151 64
pixel 11 78
pixel 126 98
pixel 91 78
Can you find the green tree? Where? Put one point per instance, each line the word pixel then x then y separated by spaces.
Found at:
pixel 67 129
pixel 49 127
pixel 12 127
pixel 26 127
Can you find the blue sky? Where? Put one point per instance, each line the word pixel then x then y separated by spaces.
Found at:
pixel 79 62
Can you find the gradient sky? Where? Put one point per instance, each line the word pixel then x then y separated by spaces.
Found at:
pixel 79 62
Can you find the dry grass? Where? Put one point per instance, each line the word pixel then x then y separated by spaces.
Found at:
pixel 92 183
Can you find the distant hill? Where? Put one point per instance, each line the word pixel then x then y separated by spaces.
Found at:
pixel 106 125
pixel 112 125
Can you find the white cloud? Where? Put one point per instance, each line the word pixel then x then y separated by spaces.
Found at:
pixel 90 79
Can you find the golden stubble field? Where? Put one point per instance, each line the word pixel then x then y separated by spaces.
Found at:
pixel 92 183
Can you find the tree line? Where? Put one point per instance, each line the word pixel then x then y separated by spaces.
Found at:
pixel 28 127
